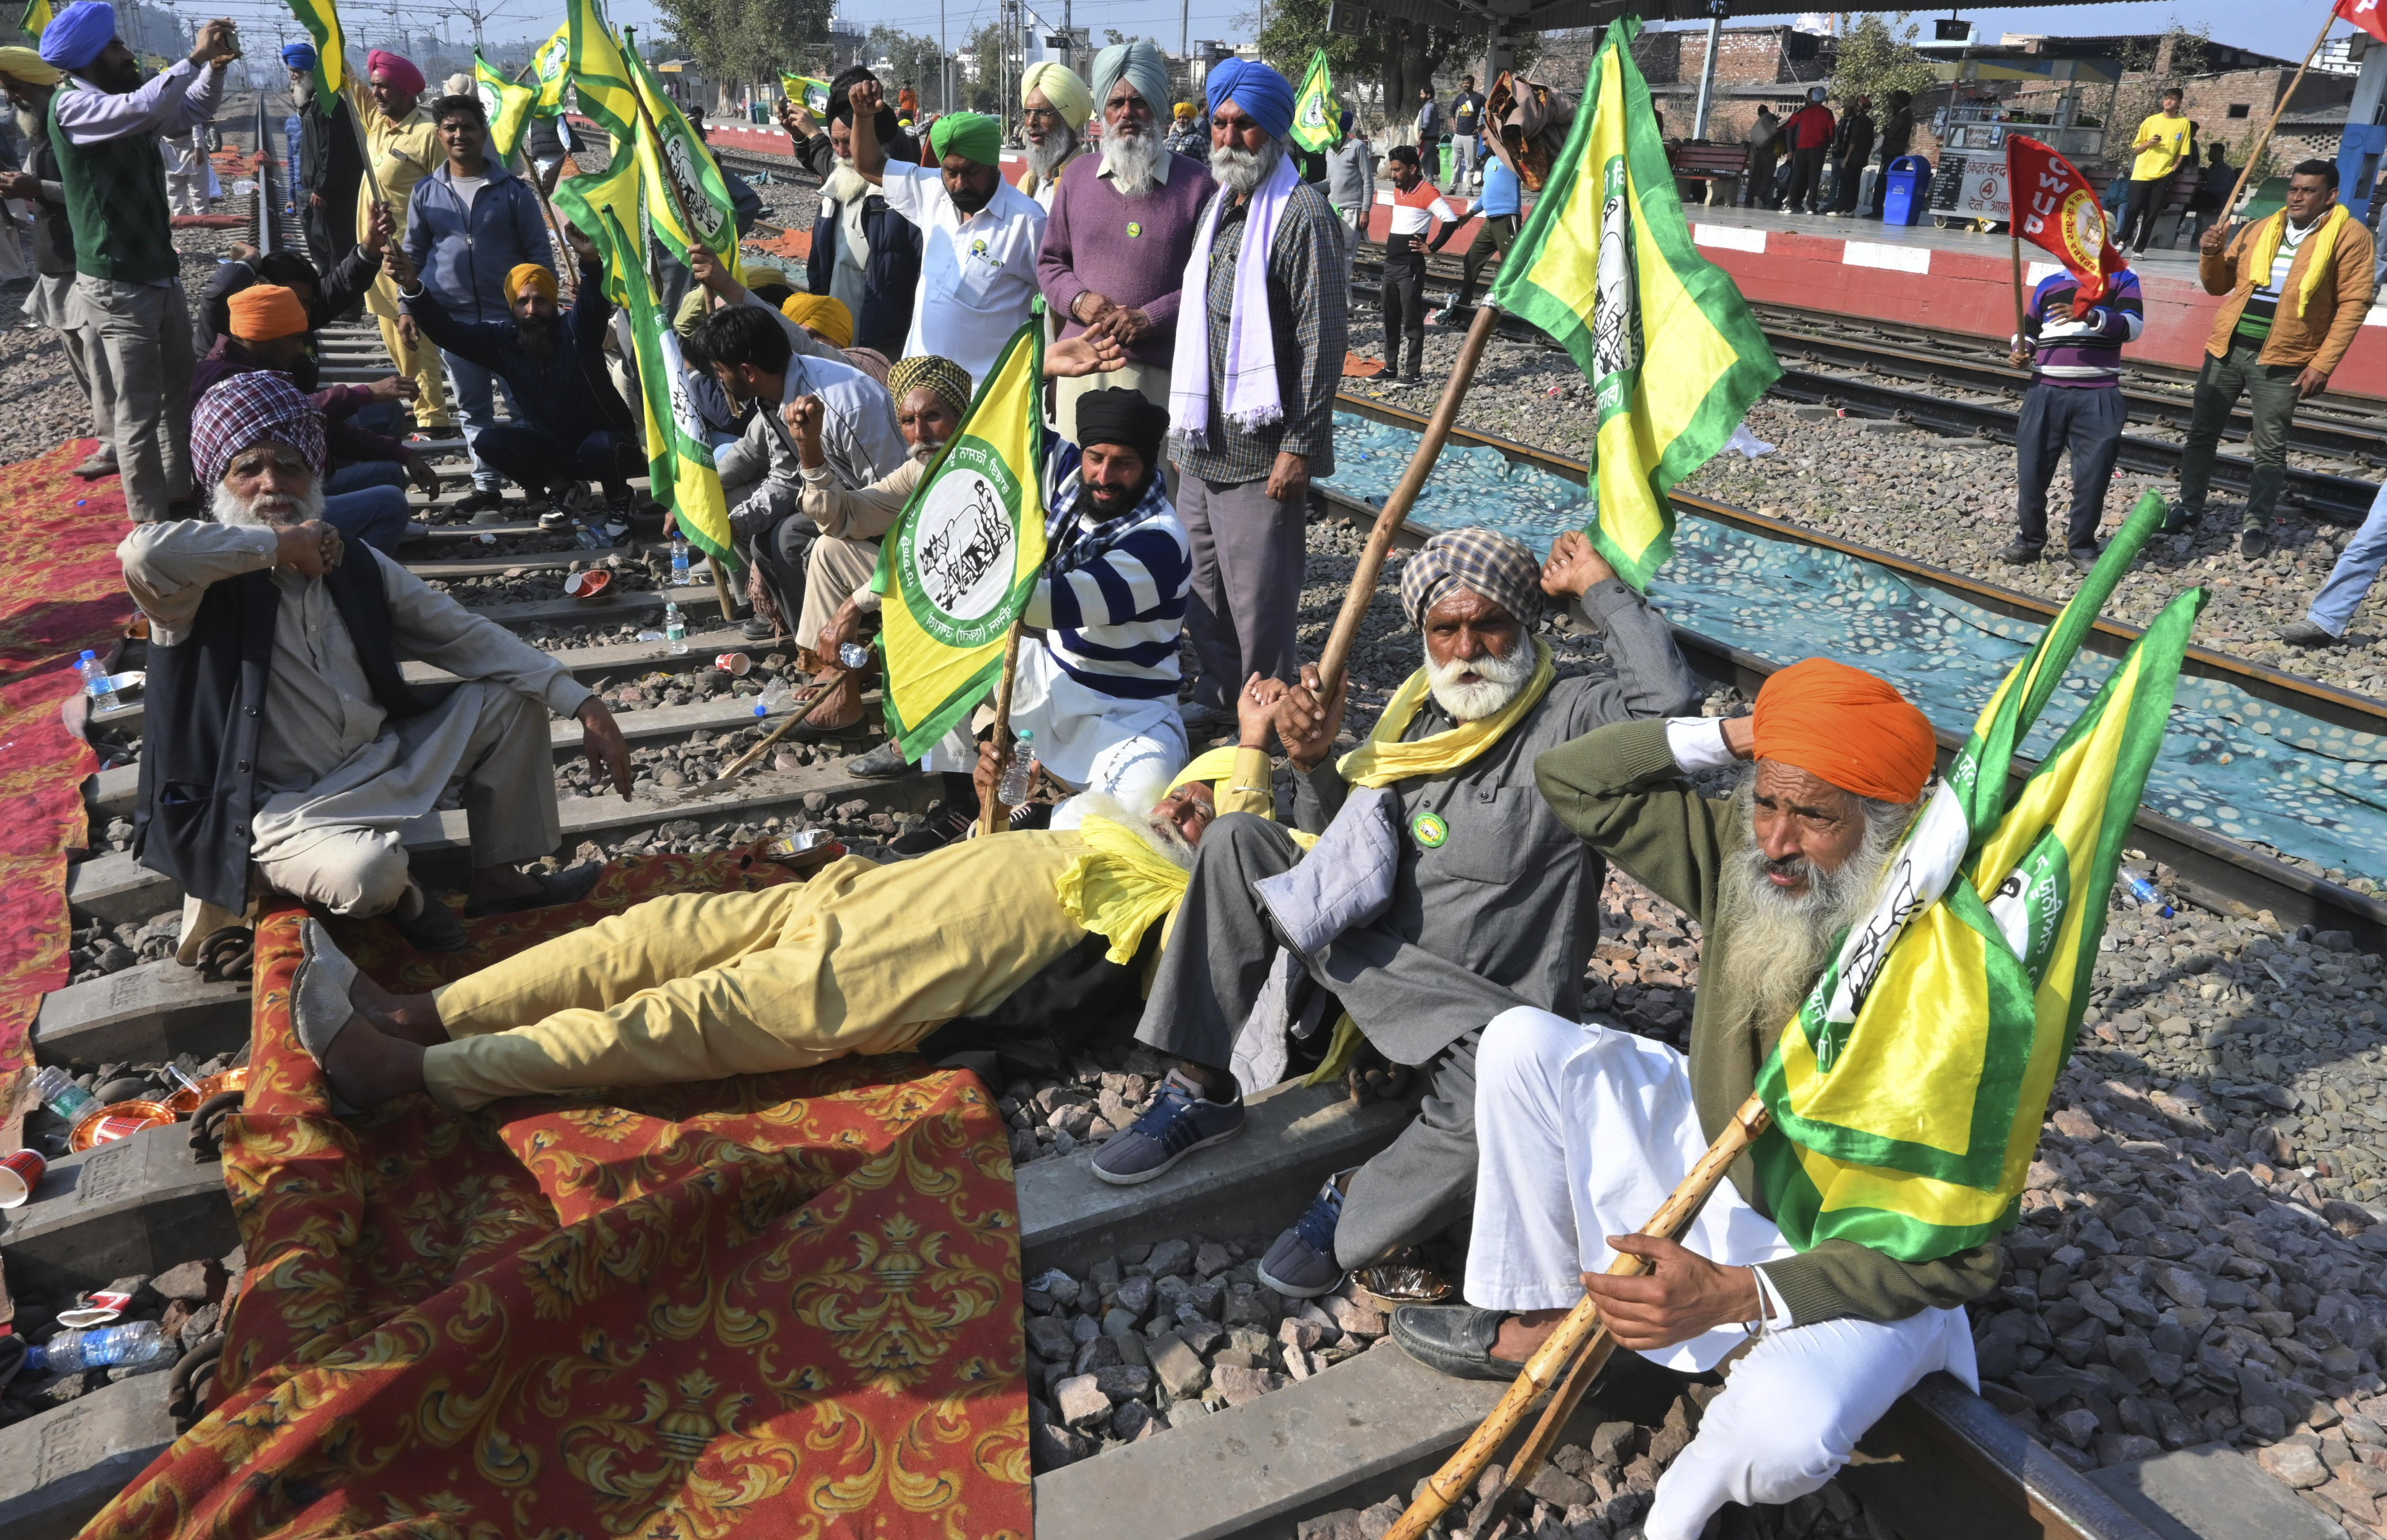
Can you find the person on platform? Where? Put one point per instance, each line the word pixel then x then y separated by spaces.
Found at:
pixel 2213 184
pixel 1851 147
pixel 1586 1127
pixel 1492 902
pixel 907 103
pixel 2164 139
pixel 570 426
pixel 1807 137
pixel 1499 206
pixel 1417 204
pixel 864 254
pixel 1764 155
pixel 470 225
pixel 1120 229
pixel 29 84
pixel 1466 133
pixel 127 289
pixel 1351 181
pixel 980 235
pixel 2296 286
pixel 2075 404
pixel 330 167
pixel 1261 339
pixel 300 776
pixel 1054 107
pixel 1897 138
pixel 1430 125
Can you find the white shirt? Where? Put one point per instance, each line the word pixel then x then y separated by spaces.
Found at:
pixel 978 276
pixel 468 188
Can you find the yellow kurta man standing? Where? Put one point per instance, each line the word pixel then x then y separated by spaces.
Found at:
pixel 404 147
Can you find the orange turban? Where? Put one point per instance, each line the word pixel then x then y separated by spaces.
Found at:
pixel 530 276
pixel 822 314
pixel 263 311
pixel 1847 726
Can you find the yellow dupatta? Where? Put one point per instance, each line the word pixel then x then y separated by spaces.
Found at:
pixel 2319 254
pixel 1384 758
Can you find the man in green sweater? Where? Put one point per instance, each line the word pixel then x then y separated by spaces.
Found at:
pixel 1585 1130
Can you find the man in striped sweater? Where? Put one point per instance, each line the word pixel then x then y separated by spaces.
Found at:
pixel 2075 351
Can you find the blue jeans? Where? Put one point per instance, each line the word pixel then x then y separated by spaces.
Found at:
pixel 366 503
pixel 470 387
pixel 2333 608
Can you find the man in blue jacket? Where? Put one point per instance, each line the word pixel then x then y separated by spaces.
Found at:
pixel 469 225
pixel 570 425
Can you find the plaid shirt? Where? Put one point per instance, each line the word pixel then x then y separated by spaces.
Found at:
pixel 1308 304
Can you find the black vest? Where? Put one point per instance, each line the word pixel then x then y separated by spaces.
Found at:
pixel 206 700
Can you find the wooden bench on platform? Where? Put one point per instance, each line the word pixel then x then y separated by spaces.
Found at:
pixel 1711 164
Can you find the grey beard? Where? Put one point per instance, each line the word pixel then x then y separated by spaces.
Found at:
pixel 1781 943
pixel 1242 171
pixel 282 513
pixel 1499 682
pixel 1132 160
pixel 924 452
pixel 1047 157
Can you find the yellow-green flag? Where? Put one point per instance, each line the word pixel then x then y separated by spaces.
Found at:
pixel 1604 264
pixel 37 16
pixel 322 20
pixel 551 66
pixel 588 200
pixel 1316 113
pixel 963 560
pixel 1907 1093
pixel 600 74
pixel 812 92
pixel 508 105
pixel 687 201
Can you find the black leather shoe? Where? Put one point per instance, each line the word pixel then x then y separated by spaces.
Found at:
pixel 434 928
pixel 1454 1340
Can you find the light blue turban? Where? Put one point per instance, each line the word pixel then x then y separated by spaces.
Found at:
pixel 1256 88
pixel 1140 62
pixel 77 35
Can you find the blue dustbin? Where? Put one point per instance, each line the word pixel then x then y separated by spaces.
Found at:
pixel 1910 179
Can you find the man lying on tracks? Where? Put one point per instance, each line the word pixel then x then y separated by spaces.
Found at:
pixel 1493 902
pixel 1586 1129
pixel 285 751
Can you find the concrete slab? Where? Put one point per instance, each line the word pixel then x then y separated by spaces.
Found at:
pixel 59 1468
pixel 2212 1491
pixel 138 1204
pixel 151 1012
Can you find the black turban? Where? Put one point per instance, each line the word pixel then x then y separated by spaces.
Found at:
pixel 1125 417
pixel 840 105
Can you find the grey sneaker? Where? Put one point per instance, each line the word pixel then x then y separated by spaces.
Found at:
pixel 1181 1121
pixel 1301 1264
pixel 1198 716
pixel 2304 633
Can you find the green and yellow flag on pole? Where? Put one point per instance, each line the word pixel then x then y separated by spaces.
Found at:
pixel 1907 1093
pixel 963 560
pixel 812 92
pixel 1606 265
pixel 600 73
pixel 322 20
pixel 508 105
pixel 687 201
pixel 1316 114
pixel 551 66
pixel 589 199
pixel 37 16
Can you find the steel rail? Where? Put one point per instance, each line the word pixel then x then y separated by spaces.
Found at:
pixel 268 235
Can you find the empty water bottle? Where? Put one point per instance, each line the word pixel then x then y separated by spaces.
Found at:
pixel 853 655
pixel 774 698
pixel 680 578
pixel 135 1341
pixel 2146 892
pixel 675 628
pixel 61 1096
pixel 1020 773
pixel 96 682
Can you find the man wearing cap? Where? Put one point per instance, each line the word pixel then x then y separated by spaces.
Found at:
pixel 1054 107
pixel 1586 1127
pixel 128 291
pixel 980 235
pixel 285 752
pixel 864 253
pixel 1261 341
pixel 1488 902
pixel 1120 228
pixel 330 169
pixel 29 84
pixel 402 144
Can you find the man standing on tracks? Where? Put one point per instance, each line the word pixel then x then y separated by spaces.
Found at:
pixel 29 84
pixel 1351 181
pixel 403 144
pixel 328 167
pixel 1499 206
pixel 1260 346
pixel 128 292
pixel 1416 204
pixel 1807 136
pixel 2297 285
pixel 2074 403
pixel 1586 1127
pixel 1054 107
pixel 2165 139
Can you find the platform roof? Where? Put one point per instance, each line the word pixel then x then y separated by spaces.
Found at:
pixel 1556 15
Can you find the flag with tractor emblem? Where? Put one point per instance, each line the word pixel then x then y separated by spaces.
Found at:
pixel 508 107
pixel 1316 114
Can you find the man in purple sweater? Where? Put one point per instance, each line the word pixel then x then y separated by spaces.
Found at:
pixel 1121 230
pixel 2074 403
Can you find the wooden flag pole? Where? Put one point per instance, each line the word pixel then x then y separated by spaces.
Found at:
pixel 990 811
pixel 571 258
pixel 1580 1345
pixel 1337 654
pixel 2255 153
pixel 2017 241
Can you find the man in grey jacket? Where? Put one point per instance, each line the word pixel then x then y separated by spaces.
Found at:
pixel 1351 183
pixel 1494 903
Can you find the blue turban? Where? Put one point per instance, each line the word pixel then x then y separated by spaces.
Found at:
pixel 1256 88
pixel 299 55
pixel 79 34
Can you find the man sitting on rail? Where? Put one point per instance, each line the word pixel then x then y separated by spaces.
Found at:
pixel 285 750
pixel 1586 1129
pixel 1494 904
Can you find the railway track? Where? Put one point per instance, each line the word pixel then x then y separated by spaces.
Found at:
pixel 1943 1463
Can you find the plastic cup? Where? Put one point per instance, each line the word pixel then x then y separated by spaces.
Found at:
pixel 19 1174
pixel 737 665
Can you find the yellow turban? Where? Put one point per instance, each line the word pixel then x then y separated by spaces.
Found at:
pixel 1184 111
pixel 822 314
pixel 530 276
pixel 1214 766
pixel 26 65
pixel 1063 89
pixel 755 274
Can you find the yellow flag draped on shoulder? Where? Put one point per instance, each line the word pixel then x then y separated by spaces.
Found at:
pixel 1606 265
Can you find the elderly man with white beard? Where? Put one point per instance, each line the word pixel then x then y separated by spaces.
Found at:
pixel 864 254
pixel 285 752
pixel 1054 107
pixel 1586 1129
pixel 1493 902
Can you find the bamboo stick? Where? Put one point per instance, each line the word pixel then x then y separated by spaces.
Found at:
pixel 990 811
pixel 2255 153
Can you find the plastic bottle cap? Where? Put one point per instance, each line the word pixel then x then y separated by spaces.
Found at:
pixel 88 654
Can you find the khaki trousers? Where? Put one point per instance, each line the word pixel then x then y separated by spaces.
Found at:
pixel 431 406
pixel 140 340
pixel 832 573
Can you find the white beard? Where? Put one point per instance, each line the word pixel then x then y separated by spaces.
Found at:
pixel 1497 683
pixel 1167 840
pixel 845 184
pixel 1242 171
pixel 1781 941
pixel 268 510
pixel 1132 161
pixel 926 452
pixel 1045 159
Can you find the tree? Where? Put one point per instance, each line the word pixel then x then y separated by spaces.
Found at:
pixel 911 57
pixel 2149 65
pixel 1402 56
pixel 1875 61
pixel 747 39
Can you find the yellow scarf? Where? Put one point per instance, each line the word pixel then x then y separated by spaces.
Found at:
pixel 2319 252
pixel 1384 758
pixel 1121 886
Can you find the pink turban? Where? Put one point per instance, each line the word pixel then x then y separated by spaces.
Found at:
pixel 397 69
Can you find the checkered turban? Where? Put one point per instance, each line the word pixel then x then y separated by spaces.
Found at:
pixel 245 410
pixel 1485 561
pixel 946 378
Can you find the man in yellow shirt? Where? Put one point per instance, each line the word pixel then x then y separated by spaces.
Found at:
pixel 403 145
pixel 2163 143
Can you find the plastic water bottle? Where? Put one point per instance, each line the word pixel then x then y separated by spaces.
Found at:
pixel 135 1341
pixel 61 1096
pixel 852 655
pixel 96 682
pixel 675 628
pixel 1020 773
pixel 774 698
pixel 680 577
pixel 2146 892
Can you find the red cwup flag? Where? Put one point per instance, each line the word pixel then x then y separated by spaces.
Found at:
pixel 2056 210
pixel 2364 14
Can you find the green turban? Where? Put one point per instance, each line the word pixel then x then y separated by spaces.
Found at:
pixel 971 135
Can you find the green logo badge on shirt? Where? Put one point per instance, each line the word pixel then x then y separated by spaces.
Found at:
pixel 1430 829
pixel 1134 229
